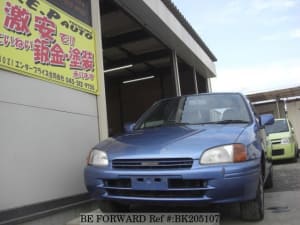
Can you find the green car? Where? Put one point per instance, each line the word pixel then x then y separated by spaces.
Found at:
pixel 282 143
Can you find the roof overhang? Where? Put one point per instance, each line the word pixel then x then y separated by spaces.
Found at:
pixel 276 94
pixel 157 18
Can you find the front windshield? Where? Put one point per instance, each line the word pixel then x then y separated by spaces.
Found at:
pixel 277 127
pixel 197 109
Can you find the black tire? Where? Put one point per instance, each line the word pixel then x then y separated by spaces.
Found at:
pixel 269 181
pixel 109 206
pixel 295 159
pixel 253 210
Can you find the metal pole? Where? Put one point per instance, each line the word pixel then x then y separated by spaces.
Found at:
pixel 195 81
pixel 277 106
pixel 176 73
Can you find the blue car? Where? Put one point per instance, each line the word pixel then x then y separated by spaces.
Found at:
pixel 190 150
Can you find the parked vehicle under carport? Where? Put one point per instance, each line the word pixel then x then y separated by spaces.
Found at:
pixel 199 149
pixel 282 140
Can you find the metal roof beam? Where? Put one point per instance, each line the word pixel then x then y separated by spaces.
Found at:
pixel 136 59
pixel 125 39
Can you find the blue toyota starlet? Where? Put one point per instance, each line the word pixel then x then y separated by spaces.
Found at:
pixel 198 149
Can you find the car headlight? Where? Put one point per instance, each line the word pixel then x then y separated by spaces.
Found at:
pixel 97 158
pixel 224 154
pixel 285 141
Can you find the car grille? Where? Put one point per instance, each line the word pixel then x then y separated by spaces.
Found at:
pixel 156 194
pixel 122 183
pixel 177 188
pixel 181 183
pixel 278 152
pixel 172 183
pixel 168 163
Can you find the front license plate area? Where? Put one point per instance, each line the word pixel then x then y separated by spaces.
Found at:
pixel 149 183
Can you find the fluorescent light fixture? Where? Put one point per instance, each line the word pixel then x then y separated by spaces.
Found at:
pixel 118 68
pixel 139 79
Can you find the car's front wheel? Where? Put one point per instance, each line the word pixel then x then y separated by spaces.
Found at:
pixel 296 155
pixel 253 210
pixel 269 181
pixel 109 206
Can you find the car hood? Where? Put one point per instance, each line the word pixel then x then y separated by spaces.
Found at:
pixel 280 135
pixel 173 141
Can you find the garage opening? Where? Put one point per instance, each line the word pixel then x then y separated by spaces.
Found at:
pixel 191 82
pixel 138 68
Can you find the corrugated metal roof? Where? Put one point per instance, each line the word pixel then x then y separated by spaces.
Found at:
pixel 171 6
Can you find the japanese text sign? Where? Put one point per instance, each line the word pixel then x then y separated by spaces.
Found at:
pixel 39 40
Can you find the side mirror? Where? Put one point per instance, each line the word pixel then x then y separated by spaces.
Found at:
pixel 292 129
pixel 266 119
pixel 128 127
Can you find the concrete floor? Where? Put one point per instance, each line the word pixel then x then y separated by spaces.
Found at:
pixel 282 202
pixel 281 208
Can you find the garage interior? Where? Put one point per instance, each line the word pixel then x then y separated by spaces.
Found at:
pixel 138 67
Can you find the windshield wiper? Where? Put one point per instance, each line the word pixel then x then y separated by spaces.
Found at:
pixel 175 124
pixel 168 124
pixel 229 121
pixel 220 122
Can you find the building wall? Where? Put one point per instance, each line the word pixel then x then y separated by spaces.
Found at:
pixel 293 108
pixel 46 132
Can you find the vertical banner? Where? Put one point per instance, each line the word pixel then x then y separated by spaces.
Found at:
pixel 39 40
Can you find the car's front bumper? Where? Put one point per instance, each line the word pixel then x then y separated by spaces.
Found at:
pixel 283 151
pixel 203 184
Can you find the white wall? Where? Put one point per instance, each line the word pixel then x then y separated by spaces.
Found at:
pixel 293 108
pixel 45 133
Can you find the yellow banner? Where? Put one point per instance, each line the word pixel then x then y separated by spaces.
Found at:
pixel 39 40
